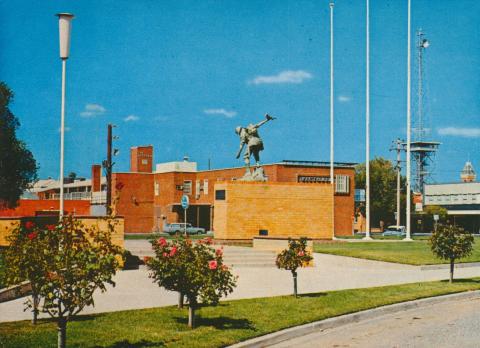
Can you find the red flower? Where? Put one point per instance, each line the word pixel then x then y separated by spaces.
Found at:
pixel 219 252
pixel 50 227
pixel 301 253
pixel 208 240
pixel 165 254
pixel 146 259
pixel 119 186
pixel 173 251
pixel 32 235
pixel 29 225
pixel 212 264
pixel 162 241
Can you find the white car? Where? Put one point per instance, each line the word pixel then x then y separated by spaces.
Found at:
pixel 179 228
pixel 394 230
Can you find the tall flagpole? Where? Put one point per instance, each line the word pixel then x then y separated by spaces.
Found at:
pixel 367 127
pixel 409 197
pixel 332 181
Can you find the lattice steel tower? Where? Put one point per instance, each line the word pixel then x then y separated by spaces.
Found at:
pixel 422 148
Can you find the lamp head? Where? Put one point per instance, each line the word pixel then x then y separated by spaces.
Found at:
pixel 65 27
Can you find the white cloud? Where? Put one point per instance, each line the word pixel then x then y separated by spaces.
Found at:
pixel 93 110
pixel 344 99
pixel 131 118
pixel 286 76
pixel 460 132
pixel 223 112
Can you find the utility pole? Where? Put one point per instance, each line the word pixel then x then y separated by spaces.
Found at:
pixel 109 170
pixel 108 165
pixel 332 179
pixel 398 167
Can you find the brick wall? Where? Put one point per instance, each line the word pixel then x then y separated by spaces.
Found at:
pixel 284 209
pixel 28 207
pixel 134 201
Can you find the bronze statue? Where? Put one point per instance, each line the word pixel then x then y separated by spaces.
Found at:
pixel 249 136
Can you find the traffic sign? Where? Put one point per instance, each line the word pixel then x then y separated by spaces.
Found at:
pixel 185 202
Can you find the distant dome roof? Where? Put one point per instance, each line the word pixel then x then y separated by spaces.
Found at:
pixel 468 173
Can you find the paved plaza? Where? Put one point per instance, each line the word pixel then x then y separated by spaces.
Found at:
pixel 135 290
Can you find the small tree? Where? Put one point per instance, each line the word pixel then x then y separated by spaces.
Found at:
pixel 66 264
pixel 450 242
pixel 293 257
pixel 195 270
pixel 25 260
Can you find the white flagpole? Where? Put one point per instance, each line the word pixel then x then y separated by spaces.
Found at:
pixel 409 197
pixel 367 127
pixel 332 181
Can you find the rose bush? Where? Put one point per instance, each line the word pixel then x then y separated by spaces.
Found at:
pixel 195 270
pixel 293 257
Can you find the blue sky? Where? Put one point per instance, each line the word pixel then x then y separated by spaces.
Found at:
pixel 181 75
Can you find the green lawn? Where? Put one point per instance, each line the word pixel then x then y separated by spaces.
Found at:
pixel 412 253
pixel 230 322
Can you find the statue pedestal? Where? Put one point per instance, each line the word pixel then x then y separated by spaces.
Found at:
pixel 257 174
pixel 248 209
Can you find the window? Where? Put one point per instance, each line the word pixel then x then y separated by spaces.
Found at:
pixel 342 184
pixel 220 195
pixel 187 187
pixel 205 187
pixel 197 188
pixel 157 189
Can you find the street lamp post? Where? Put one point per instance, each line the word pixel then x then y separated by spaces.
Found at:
pixel 65 26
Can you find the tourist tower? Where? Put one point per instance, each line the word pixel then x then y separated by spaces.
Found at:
pixel 468 173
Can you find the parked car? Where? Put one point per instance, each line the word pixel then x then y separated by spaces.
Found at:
pixel 178 228
pixel 394 231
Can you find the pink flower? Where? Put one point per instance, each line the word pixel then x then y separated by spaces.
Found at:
pixel 50 227
pixel 224 268
pixel 208 240
pixel 165 254
pixel 219 252
pixel 301 253
pixel 212 264
pixel 32 235
pixel 162 242
pixel 173 251
pixel 29 225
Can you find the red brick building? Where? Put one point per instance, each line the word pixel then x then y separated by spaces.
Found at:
pixel 150 198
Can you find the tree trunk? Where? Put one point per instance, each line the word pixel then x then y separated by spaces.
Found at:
pixel 180 300
pixel 62 332
pixel 192 304
pixel 294 283
pixel 452 266
pixel 36 300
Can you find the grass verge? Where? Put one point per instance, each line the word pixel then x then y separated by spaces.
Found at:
pixel 228 323
pixel 412 253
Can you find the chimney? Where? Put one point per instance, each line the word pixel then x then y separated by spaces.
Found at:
pixel 141 159
pixel 96 175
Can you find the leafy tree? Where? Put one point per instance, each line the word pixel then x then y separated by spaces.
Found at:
pixel 25 260
pixel 450 242
pixel 72 262
pixel 295 256
pixel 17 165
pixel 195 270
pixel 383 190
